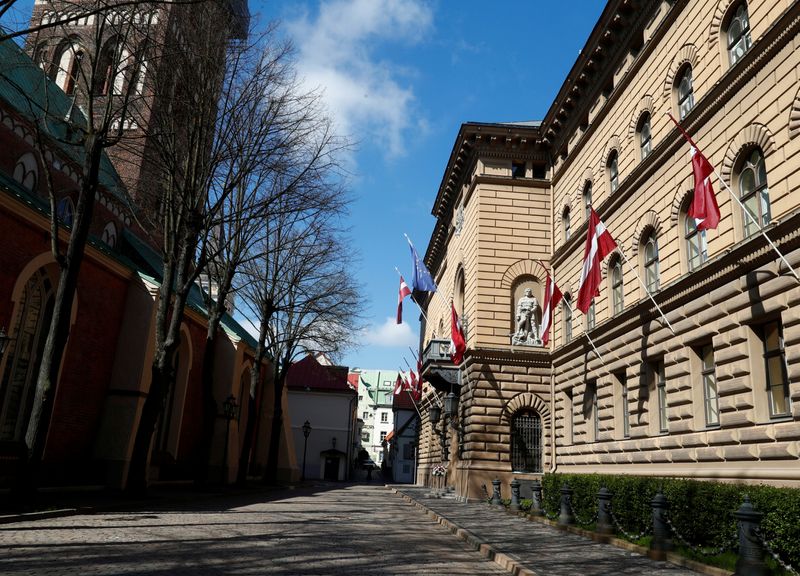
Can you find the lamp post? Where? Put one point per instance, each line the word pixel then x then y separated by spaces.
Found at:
pixel 306 432
pixel 229 413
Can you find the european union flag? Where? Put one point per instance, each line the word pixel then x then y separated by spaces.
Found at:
pixel 421 280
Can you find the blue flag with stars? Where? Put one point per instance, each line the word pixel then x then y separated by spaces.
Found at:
pixel 421 279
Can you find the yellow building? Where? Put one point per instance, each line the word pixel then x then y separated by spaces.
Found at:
pixel 713 391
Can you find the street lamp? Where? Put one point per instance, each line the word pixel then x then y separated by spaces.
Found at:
pixel 451 405
pixel 306 432
pixel 435 413
pixel 229 413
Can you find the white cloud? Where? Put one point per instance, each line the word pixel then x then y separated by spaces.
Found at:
pixel 364 93
pixel 390 334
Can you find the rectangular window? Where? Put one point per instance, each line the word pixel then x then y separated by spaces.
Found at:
pixel 775 363
pixel 408 451
pixel 661 388
pixel 710 397
pixel 590 409
pixel 384 417
pixel 383 436
pixel 625 408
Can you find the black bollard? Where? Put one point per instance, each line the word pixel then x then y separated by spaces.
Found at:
pixel 496 500
pixel 751 551
pixel 565 518
pixel 604 525
pixel 514 495
pixel 662 542
pixel 536 499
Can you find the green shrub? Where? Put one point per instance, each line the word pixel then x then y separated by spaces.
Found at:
pixel 702 512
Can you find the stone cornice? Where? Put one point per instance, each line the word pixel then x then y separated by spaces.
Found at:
pixel 763 50
pixel 508 357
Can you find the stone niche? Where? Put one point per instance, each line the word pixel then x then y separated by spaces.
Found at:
pixel 525 325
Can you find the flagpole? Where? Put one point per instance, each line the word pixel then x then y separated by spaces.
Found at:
pixel 736 199
pixel 619 249
pixel 412 297
pixel 412 288
pixel 438 401
pixel 589 338
pixel 412 399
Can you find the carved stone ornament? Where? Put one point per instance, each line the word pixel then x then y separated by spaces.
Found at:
pixel 459 221
pixel 526 321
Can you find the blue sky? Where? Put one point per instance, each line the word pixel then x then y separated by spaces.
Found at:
pixel 399 78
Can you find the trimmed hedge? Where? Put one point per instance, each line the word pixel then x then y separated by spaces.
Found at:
pixel 700 511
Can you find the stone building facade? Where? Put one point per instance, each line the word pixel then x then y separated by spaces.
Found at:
pixel 713 391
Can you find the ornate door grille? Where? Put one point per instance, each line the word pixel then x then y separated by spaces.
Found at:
pixel 526 442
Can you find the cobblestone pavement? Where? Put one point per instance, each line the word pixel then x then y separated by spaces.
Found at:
pixel 326 529
pixel 539 547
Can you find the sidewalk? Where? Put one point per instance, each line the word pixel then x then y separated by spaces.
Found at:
pixel 524 547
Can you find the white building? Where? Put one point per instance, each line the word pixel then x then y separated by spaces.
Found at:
pixel 375 389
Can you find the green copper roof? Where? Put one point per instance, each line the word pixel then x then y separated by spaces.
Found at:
pixel 25 88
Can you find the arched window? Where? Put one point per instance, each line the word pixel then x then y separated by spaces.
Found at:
pixel 696 247
pixel 68 64
pixel 566 223
pixel 526 442
pixel 617 287
pixel 65 211
pixel 738 34
pixel 23 356
pixel 650 263
pixel 754 192
pixel 587 198
pixel 26 171
pixel 566 308
pixel 645 143
pixel 685 92
pixel 613 171
pixel 110 235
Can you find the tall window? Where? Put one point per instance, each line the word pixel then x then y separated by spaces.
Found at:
pixel 710 397
pixel 685 92
pixel 590 317
pixel 613 171
pixel 625 408
pixel 617 288
pixel 587 199
pixel 23 356
pixel 651 262
pixel 696 247
pixel 777 377
pixel 661 391
pixel 567 310
pixel 594 414
pixel 565 221
pixel 384 417
pixel 645 143
pixel 754 192
pixel 68 65
pixel 526 442
pixel 738 34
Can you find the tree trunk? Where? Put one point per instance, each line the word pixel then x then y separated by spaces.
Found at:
pixel 250 428
pixel 271 472
pixel 58 332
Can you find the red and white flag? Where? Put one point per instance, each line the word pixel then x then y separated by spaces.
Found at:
pixel 404 291
pixel 552 296
pixel 418 389
pixel 704 208
pixel 599 244
pixel 458 344
pixel 398 385
pixel 414 385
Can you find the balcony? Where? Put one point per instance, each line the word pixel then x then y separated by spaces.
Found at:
pixel 437 368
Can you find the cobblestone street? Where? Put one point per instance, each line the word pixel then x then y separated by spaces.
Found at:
pixel 322 530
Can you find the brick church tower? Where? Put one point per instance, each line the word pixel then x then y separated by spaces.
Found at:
pixel 123 59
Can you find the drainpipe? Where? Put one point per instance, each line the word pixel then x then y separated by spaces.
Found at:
pixel 350 439
pixel 553 463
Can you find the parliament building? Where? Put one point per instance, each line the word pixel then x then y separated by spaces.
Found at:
pixel 688 362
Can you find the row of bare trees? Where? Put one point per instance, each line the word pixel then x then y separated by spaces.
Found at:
pixel 243 188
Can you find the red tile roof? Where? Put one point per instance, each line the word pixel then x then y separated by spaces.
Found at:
pixel 308 374
pixel 402 401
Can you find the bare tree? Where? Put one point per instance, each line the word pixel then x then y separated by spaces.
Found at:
pixel 282 142
pixel 302 292
pixel 99 71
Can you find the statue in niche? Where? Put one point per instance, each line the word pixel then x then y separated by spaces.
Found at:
pixel 527 329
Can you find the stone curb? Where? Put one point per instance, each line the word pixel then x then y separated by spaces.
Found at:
pixel 514 567
pixel 43 515
pixel 483 548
